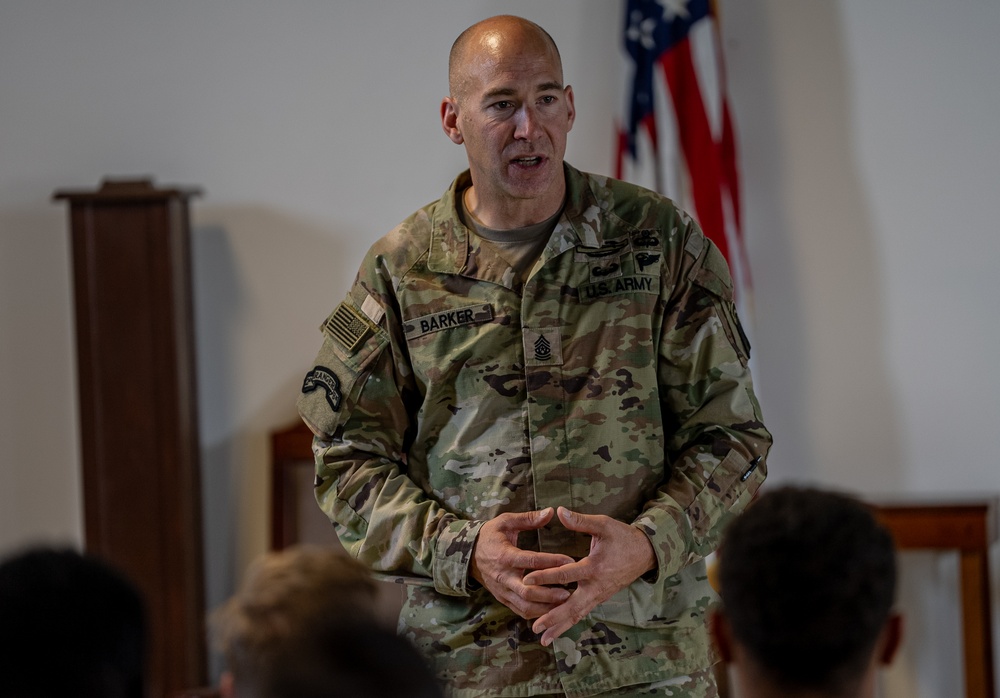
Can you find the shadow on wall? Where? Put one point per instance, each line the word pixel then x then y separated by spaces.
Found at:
pixel 819 297
pixel 263 283
pixel 39 431
pixel 217 303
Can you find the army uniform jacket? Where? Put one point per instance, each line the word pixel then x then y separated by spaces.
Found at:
pixel 613 381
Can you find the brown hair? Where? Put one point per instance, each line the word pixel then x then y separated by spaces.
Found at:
pixel 285 597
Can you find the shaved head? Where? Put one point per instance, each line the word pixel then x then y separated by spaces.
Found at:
pixel 488 38
pixel 510 109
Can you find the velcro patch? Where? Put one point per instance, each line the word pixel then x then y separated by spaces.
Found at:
pixel 648 262
pixel 610 249
pixel 322 377
pixel 616 287
pixel 605 269
pixel 348 326
pixel 647 238
pixel 542 347
pixel 372 309
pixel 446 319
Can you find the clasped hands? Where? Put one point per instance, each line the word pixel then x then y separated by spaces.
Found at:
pixel 532 583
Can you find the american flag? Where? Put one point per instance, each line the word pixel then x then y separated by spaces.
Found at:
pixel 677 133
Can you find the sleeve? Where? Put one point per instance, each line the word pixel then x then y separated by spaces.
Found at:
pixel 360 400
pixel 715 439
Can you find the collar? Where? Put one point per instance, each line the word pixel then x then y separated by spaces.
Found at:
pixel 579 225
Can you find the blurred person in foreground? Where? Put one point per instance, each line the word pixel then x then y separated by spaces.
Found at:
pixel 807 579
pixel 70 625
pixel 303 625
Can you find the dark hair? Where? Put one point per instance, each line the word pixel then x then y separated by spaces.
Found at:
pixel 807 579
pixel 70 625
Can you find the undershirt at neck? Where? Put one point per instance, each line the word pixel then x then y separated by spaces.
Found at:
pixel 520 247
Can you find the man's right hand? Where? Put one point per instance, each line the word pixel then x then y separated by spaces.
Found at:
pixel 499 565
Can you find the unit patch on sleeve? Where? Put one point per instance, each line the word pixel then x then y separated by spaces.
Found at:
pixel 446 319
pixel 323 378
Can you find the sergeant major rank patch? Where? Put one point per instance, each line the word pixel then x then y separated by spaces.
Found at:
pixel 323 378
pixel 542 347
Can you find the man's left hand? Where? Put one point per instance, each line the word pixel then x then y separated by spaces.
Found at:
pixel 619 554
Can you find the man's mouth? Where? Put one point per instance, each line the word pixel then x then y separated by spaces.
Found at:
pixel 527 162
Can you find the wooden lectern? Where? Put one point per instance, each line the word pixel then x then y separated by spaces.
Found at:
pixel 138 417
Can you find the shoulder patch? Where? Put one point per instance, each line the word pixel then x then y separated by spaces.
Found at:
pixel 323 378
pixel 713 274
pixel 348 326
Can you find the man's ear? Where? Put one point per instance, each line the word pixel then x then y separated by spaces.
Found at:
pixel 891 639
pixel 227 686
pixel 718 628
pixel 449 120
pixel 570 107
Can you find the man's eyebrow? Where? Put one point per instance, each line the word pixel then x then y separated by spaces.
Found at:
pixel 511 92
pixel 498 92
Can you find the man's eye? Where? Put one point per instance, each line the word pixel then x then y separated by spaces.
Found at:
pixel 503 105
pixel 548 99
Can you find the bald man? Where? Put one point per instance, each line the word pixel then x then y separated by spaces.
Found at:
pixel 533 407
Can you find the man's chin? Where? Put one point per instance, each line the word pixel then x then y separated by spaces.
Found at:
pixel 530 182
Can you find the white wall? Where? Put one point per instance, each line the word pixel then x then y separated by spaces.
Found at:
pixel 871 161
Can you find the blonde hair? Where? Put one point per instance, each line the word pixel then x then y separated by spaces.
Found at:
pixel 285 598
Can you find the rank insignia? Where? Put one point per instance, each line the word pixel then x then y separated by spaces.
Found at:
pixel 543 347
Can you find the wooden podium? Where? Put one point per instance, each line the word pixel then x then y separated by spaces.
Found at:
pixel 138 417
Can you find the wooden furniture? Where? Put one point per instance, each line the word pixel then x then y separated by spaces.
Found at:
pixel 969 527
pixel 295 516
pixel 138 423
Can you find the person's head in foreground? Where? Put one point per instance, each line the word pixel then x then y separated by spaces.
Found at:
pixel 303 625
pixel 807 579
pixel 70 625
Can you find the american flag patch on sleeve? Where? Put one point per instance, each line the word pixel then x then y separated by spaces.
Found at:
pixel 348 326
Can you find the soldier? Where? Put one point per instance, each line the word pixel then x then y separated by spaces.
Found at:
pixel 533 408
pixel 807 580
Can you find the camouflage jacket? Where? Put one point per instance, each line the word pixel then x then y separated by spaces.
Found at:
pixel 613 381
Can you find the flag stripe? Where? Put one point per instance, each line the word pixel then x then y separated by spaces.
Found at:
pixel 674 53
pixel 699 148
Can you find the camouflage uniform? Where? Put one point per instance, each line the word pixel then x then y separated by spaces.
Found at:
pixel 613 381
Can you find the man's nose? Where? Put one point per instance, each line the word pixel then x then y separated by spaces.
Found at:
pixel 527 124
